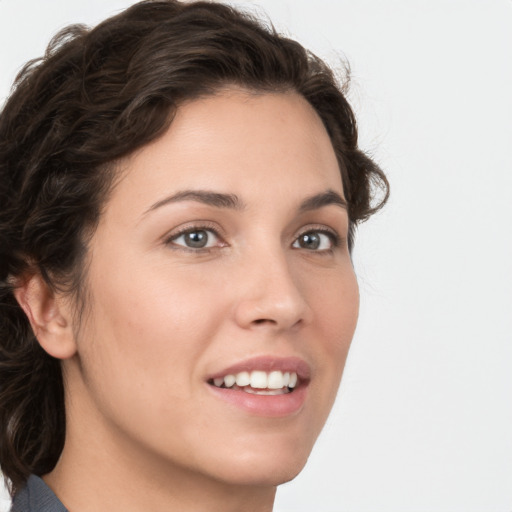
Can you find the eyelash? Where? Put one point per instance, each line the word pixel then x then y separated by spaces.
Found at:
pixel 336 240
pixel 191 229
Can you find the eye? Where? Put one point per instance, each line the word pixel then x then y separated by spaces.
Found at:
pixel 195 238
pixel 316 240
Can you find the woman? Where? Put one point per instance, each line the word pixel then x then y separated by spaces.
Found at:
pixel 179 190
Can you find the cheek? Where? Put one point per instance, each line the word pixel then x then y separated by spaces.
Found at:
pixel 143 336
pixel 139 353
pixel 336 304
pixel 337 308
pixel 148 306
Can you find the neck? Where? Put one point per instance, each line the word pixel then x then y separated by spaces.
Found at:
pixel 90 478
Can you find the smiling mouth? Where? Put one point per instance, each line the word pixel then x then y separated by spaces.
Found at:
pixel 258 382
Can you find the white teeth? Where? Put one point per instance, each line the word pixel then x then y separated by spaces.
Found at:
pixel 229 380
pixel 275 380
pixel 243 379
pixel 267 392
pixel 259 380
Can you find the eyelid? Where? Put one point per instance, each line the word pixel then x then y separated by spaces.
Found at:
pixel 337 239
pixel 189 227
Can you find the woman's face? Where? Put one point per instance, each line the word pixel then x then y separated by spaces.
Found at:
pixel 221 252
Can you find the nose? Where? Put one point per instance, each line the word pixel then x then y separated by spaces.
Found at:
pixel 270 295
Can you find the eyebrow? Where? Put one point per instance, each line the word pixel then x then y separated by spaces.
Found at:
pixel 322 199
pixel 217 199
pixel 232 201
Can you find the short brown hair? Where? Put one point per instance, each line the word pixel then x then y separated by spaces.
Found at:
pixel 96 96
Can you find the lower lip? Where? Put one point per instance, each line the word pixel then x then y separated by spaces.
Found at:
pixel 273 406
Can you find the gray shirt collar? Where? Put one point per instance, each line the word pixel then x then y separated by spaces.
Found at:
pixel 36 496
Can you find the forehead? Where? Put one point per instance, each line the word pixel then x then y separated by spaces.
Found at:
pixel 236 142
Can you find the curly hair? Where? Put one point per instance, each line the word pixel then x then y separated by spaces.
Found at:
pixel 96 96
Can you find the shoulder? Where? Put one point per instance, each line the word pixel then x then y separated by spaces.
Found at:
pixel 36 496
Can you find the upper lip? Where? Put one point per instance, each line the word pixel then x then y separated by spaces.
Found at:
pixel 267 364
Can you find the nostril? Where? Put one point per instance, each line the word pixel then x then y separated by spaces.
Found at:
pixel 263 320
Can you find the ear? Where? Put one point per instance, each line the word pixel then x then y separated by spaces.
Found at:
pixel 48 314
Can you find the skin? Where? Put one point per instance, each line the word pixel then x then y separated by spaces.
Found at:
pixel 144 431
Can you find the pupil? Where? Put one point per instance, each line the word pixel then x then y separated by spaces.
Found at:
pixel 196 239
pixel 310 241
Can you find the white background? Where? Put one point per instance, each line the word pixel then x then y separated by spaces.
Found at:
pixel 424 418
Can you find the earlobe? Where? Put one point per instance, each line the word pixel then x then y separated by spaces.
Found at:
pixel 48 315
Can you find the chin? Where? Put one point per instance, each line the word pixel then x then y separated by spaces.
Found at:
pixel 270 476
pixel 264 467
